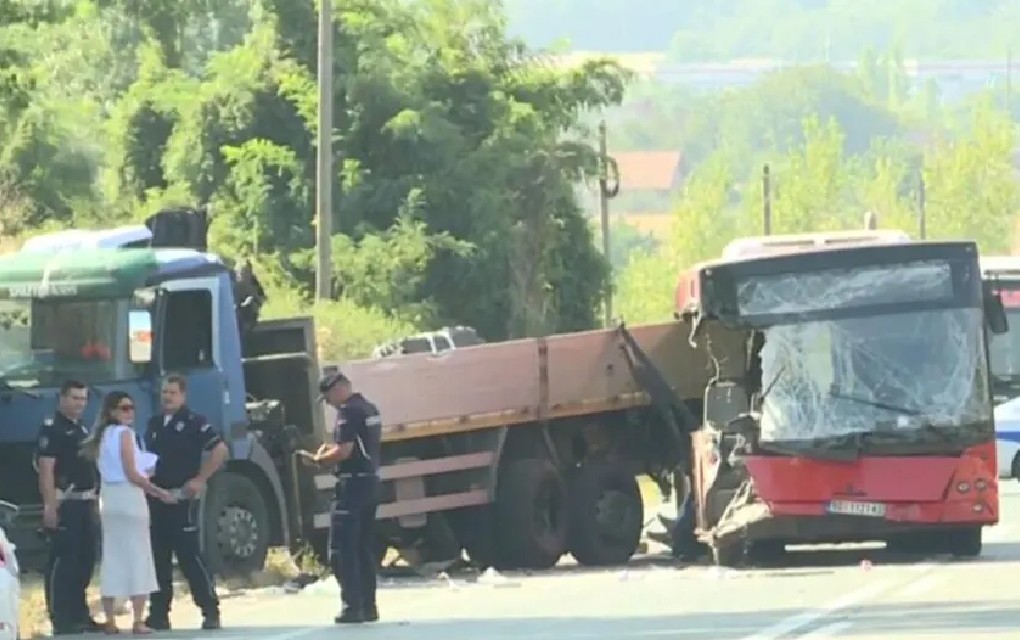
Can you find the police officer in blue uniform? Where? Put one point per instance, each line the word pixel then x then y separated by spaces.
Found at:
pixel 67 485
pixel 180 437
pixel 356 451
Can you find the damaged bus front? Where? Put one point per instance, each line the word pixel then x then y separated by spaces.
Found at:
pixel 866 412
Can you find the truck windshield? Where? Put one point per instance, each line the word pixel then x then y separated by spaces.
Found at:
pixel 45 341
pixel 896 370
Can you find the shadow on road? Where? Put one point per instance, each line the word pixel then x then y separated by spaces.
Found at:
pixel 794 563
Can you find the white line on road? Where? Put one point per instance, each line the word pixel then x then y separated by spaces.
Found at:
pixel 801 620
pixel 828 632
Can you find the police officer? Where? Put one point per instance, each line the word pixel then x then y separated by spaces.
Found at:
pixel 67 485
pixel 180 437
pixel 357 441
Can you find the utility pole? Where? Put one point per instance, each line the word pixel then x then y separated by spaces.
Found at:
pixel 324 161
pixel 766 196
pixel 604 195
pixel 922 221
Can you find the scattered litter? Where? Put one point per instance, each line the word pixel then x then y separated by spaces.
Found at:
pixel 866 564
pixel 448 581
pixel 493 578
pixel 719 573
pixel 322 587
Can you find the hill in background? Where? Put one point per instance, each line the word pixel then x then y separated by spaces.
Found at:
pixel 706 30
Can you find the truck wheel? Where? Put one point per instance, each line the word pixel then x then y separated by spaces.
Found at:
pixel 965 543
pixel 606 514
pixel 530 514
pixel 236 525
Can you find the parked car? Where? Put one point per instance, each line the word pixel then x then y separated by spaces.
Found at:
pixel 445 339
pixel 10 583
pixel 1007 438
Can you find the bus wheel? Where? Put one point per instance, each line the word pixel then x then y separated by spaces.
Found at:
pixel 530 514
pixel 1015 470
pixel 730 554
pixel 606 514
pixel 767 552
pixel 965 543
pixel 237 525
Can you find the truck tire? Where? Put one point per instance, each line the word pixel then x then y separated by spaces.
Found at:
pixel 236 525
pixel 606 514
pixel 530 515
pixel 965 543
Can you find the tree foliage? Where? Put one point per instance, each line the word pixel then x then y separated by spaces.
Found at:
pixel 456 150
pixel 971 191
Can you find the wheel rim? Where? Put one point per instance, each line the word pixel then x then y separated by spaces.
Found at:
pixel 238 532
pixel 614 514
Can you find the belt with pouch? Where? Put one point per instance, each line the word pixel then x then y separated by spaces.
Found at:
pixel 77 496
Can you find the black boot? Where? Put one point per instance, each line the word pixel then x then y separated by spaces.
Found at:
pixel 350 615
pixel 158 623
pixel 371 613
pixel 211 621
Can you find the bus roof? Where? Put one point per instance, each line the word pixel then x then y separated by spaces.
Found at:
pixel 792 243
pixel 1000 265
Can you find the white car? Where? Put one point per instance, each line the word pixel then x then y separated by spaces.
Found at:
pixel 10 584
pixel 1007 438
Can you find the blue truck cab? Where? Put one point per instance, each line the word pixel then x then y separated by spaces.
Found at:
pixel 115 310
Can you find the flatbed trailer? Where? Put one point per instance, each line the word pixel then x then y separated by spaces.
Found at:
pixel 555 429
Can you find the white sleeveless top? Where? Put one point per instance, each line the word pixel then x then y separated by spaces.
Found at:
pixel 111 468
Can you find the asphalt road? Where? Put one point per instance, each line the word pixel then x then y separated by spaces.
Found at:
pixel 856 593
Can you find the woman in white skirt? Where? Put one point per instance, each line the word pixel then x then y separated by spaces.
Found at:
pixel 127 569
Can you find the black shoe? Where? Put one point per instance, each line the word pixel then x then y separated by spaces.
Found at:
pixel 371 614
pixel 211 622
pixel 91 626
pixel 350 616
pixel 157 623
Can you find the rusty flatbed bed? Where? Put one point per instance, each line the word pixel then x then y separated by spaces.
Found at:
pixel 523 381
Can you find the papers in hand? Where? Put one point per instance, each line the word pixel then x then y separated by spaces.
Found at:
pixel 145 462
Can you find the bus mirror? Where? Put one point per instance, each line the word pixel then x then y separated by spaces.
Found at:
pixel 995 313
pixel 139 336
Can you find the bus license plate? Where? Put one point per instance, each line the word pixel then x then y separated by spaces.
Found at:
pixel 851 508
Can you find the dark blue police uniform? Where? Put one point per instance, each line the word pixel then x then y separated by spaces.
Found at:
pixel 179 442
pixel 73 544
pixel 352 534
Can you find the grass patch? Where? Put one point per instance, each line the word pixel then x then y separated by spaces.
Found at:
pixel 33 622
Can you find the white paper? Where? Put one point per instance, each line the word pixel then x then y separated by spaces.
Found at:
pixel 145 462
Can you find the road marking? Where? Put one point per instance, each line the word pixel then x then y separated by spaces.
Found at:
pixel 828 631
pixel 801 620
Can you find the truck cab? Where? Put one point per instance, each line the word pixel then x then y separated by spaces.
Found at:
pixel 863 412
pixel 114 311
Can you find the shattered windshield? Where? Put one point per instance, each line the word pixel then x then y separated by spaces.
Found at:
pixel 45 341
pixel 899 369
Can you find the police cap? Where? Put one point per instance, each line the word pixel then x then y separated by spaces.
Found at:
pixel 330 380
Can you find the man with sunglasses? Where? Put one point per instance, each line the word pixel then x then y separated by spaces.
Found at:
pixel 180 438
